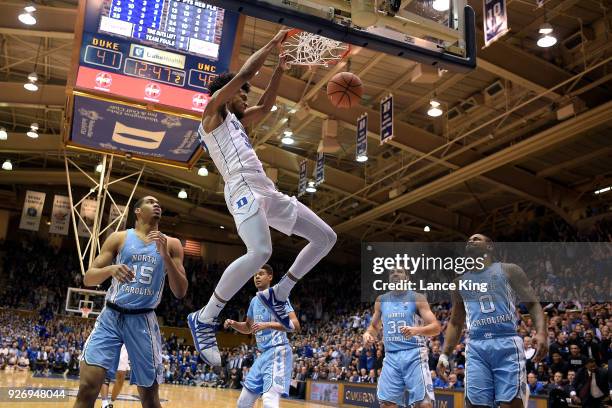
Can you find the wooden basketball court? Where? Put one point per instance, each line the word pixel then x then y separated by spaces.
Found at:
pixel 172 396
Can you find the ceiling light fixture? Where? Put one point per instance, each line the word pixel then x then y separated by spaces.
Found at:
pixel 547 39
pixel 602 190
pixel 434 110
pixel 362 158
pixel 203 171
pixel 31 84
pixel 274 108
pixel 33 132
pixel 287 140
pixel 311 187
pixel 3 134
pixel 440 5
pixel 99 168
pixel 27 17
pixel 182 194
pixel 7 165
pixel 427 229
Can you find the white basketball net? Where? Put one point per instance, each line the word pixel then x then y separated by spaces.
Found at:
pixel 304 48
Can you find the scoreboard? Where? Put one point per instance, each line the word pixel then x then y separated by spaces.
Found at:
pixel 163 52
pixel 141 73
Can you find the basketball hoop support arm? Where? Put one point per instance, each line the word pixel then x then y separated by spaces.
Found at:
pixel 101 189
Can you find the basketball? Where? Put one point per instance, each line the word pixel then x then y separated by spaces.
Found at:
pixel 344 90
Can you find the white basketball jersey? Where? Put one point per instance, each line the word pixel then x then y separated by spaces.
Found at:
pixel 229 147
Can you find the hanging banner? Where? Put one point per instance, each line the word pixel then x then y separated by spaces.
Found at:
pixel 115 212
pixel 60 216
pixel 495 21
pixel 362 137
pixel 320 169
pixel 302 181
pixel 32 210
pixel 386 119
pixel 88 215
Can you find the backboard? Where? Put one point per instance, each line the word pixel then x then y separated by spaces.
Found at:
pixel 434 32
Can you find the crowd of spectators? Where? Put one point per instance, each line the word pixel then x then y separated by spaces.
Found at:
pixel 333 319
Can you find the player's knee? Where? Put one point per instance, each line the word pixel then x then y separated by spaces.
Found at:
pixel 150 400
pixel 88 389
pixel 331 237
pixel 262 255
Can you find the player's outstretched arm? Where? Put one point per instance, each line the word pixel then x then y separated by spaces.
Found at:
pixel 432 325
pixel 248 71
pixel 255 114
pixel 102 268
pixel 255 327
pixel 241 327
pixel 453 328
pixel 520 283
pixel 371 333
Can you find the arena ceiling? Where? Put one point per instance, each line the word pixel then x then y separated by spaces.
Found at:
pixel 503 153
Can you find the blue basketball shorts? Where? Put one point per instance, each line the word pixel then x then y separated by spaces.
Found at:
pixel 495 371
pixel 142 338
pixel 405 371
pixel 271 371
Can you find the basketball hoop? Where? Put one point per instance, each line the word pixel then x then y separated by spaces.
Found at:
pixel 85 311
pixel 304 48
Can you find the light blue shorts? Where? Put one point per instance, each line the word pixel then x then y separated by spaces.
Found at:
pixel 142 338
pixel 405 371
pixel 271 370
pixel 495 371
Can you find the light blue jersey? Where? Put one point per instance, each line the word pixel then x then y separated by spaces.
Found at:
pixel 145 290
pixel 268 338
pixel 491 313
pixel 398 310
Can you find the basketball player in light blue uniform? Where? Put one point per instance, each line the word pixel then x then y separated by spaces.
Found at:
pixel 495 360
pixel 270 375
pixel 138 260
pixel 405 319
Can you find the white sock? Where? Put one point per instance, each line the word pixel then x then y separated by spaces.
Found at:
pixel 211 310
pixel 104 403
pixel 283 287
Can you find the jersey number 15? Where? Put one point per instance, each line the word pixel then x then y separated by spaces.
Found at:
pixel 145 276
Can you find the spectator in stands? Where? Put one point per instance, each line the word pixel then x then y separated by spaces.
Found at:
pixel 576 359
pixel 592 384
pixel 558 364
pixel 535 387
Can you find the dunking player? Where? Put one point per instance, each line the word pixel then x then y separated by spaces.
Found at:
pixel 495 360
pixel 405 366
pixel 143 257
pixel 122 369
pixel 252 199
pixel 270 375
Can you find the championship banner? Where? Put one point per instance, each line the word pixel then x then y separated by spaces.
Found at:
pixel 320 169
pixel 362 136
pixel 302 180
pixel 115 127
pixel 115 212
pixel 32 210
pixel 386 119
pixel 60 216
pixel 495 21
pixel 88 214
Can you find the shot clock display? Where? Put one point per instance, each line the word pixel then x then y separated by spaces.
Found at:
pixel 159 51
